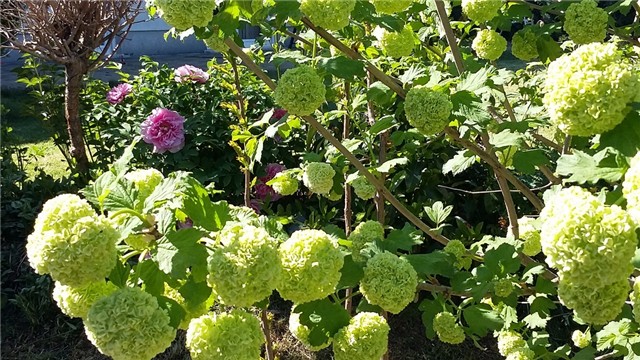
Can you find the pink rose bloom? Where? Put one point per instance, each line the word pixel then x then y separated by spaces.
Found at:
pixel 118 93
pixel 190 73
pixel 262 189
pixel 164 129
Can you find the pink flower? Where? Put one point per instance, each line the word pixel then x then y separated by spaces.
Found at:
pixel 191 73
pixel 278 114
pixel 118 93
pixel 262 189
pixel 164 129
pixel 255 205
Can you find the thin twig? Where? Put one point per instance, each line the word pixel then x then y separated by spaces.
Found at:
pixel 267 334
pixel 348 213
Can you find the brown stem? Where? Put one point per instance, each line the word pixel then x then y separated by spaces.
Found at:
pixel 348 213
pixel 550 143
pixel 243 120
pixel 451 38
pixel 267 334
pixel 74 71
pixel 343 150
pixel 297 37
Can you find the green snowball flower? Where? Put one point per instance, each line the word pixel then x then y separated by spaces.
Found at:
pixel 329 14
pixel 216 41
pixel 481 10
pixel 245 268
pixel 586 240
pixel 590 91
pixel 300 91
pixel 389 282
pixel 427 110
pixel 521 354
pixel 318 177
pixel 311 263
pixel 145 181
pixel 129 325
pixel 284 184
pixel 61 213
pixel 365 338
pixel 76 302
pixel 503 287
pixel 594 304
pixel 635 299
pixel 524 44
pixel 391 6
pixel 76 256
pixel 183 14
pixel 455 247
pixel 364 233
pixel 581 339
pixel 509 341
pixel 631 188
pixel 585 22
pixel 447 328
pixel 228 336
pixel 489 45
pixel 302 332
pixel 530 235
pixel 363 188
pixel 396 44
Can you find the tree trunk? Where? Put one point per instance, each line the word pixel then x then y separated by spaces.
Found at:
pixel 74 72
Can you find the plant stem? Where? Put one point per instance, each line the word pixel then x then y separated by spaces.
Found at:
pixel 243 121
pixel 348 213
pixel 267 334
pixel 142 218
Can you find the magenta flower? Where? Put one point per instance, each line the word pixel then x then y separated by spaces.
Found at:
pixel 262 189
pixel 190 73
pixel 164 129
pixel 278 114
pixel 118 93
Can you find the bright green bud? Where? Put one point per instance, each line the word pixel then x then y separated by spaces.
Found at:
pixel 183 14
pixel 581 339
pixel 481 10
pixel 427 110
pixel 391 6
pixel 503 287
pixel 389 282
pixel 318 177
pixel 364 233
pixel 365 338
pixel 509 341
pixel 300 91
pixel 489 45
pixel 585 22
pixel 329 14
pixel 284 184
pixel 76 302
pixel 363 188
pixel 447 328
pixel 524 44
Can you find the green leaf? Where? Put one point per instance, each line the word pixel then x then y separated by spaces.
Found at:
pixel 151 276
pixel 430 308
pixel 548 49
pixel 506 138
pixel 460 162
pixel 351 273
pixel 414 73
pixel 228 20
pixel 403 239
pixel 608 164
pixel 380 94
pixel 390 164
pixel 625 137
pixel 438 213
pixel 120 274
pixel 481 319
pixel 535 321
pixel 343 67
pixel 383 124
pixel 636 259
pixel 175 311
pixel 111 194
pixel 435 263
pixel 526 161
pixel 323 318
pixel 294 57
pixel 588 353
pixel 179 251
pixel 195 293
pixel 474 81
pixel 502 260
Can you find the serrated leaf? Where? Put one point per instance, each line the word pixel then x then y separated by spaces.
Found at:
pixel 120 274
pixel 473 82
pixel 295 57
pixel 460 162
pixel 228 20
pixel 343 67
pixel 151 276
pixel 175 311
pixel 607 165
pixel 506 138
pixel 178 251
pixel 195 293
pixel 380 94
pixel 390 164
pixel 525 161
pixel 323 318
pixel 535 321
pixel 403 239
pixel 435 263
pixel 502 260
pixel 588 353
pixel 430 308
pixel 625 137
pixel 481 319
pixel 351 273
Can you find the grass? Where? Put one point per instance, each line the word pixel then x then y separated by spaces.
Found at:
pixel 32 137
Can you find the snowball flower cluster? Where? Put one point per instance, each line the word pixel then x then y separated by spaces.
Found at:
pixel 300 91
pixel 76 301
pixel 591 245
pixel 510 341
pixel 318 177
pixel 366 232
pixel 427 110
pixel 635 299
pixel 262 188
pixel 363 188
pixel 530 235
pixel 145 181
pixel 481 10
pixel 164 129
pixel 524 44
pixel 190 73
pixel 311 264
pixel 329 14
pixel 71 243
pixel 183 14
pixel 589 91
pixel 284 184
pixel 521 354
pixel 389 282
pixel 585 22
pixel 581 339
pixel 118 93
pixel 631 188
pixel 234 335
pixel 246 267
pixel 129 324
pixel 302 332
pixel 489 45
pixel 391 6
pixel 216 41
pixel 396 43
pixel 503 287
pixel 448 329
pixel 457 249
pixel 365 338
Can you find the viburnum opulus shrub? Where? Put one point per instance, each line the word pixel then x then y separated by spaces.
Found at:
pixel 499 201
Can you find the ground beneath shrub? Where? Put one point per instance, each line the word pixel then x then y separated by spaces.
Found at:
pixel 63 338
